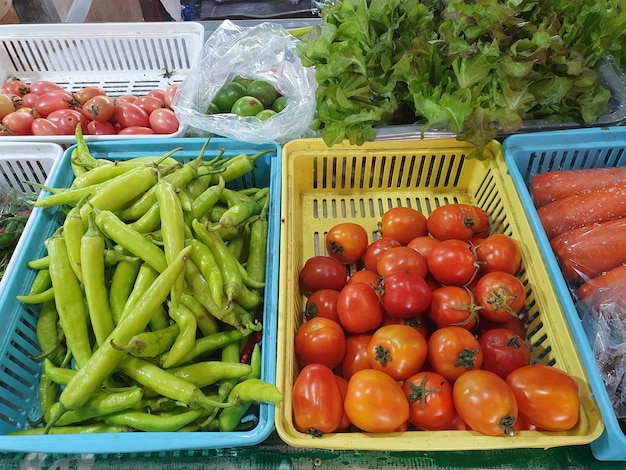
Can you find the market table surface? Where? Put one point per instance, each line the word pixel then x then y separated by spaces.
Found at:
pixel 274 454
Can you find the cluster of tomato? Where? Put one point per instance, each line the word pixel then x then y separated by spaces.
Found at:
pixel 426 333
pixel 46 108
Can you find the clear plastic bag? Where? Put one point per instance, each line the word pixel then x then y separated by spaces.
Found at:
pixel 603 316
pixel 265 51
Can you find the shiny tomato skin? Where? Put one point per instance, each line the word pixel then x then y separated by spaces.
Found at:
pixel 100 128
pixel 43 126
pixel 322 272
pixel 149 103
pixel 168 95
pixel 130 115
pixel 66 120
pixel 359 308
pixel 452 262
pixel 452 351
pixel 54 101
pixel 376 249
pixel 455 221
pixel 397 350
pixel 85 94
pixel 405 294
pixel 17 123
pixel 514 324
pixel 419 323
pixel 343 388
pixel 356 355
pixel 401 258
pixel 453 306
pixel 499 252
pixel 136 130
pixel 346 242
pixel 485 402
pixel 503 351
pixel 157 93
pixel 320 340
pixel 375 402
pixel 317 401
pixel 403 224
pixel 322 303
pixel 500 294
pixel 126 99
pixel 30 100
pixel 16 87
pixel 163 121
pixel 99 108
pixel 39 87
pixel 431 406
pixel 423 244
pixel 366 276
pixel 546 396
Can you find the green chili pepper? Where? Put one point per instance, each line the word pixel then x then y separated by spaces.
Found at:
pixel 39 298
pixel 257 259
pixel 94 282
pixel 162 422
pixel 172 230
pixel 99 405
pixel 73 231
pixel 206 200
pixel 39 263
pixel 95 428
pixel 186 338
pixel 69 300
pixel 146 275
pixel 207 323
pixel 241 164
pixel 206 373
pixel 239 213
pixel 209 344
pixel 122 282
pixel 151 343
pixel 203 258
pixel 59 375
pixel 41 282
pixel 50 335
pixel 48 392
pixel 105 358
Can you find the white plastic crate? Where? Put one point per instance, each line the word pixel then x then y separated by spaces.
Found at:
pixel 120 58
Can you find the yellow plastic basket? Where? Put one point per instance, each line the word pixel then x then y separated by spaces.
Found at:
pixel 323 186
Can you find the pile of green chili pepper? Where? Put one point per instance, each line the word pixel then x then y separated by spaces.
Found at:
pixel 148 294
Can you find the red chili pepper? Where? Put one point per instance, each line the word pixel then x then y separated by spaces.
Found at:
pixel 253 339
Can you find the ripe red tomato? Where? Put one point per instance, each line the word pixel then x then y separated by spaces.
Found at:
pixel 358 308
pixel 17 123
pixel 453 306
pixel 39 87
pixel 100 128
pixel 456 221
pixel 431 407
pixel 452 351
pixel 546 396
pixel 322 303
pixel 419 323
pixel 376 249
pixel 365 275
pixel 485 402
pixel 500 294
pixel 168 95
pixel 317 401
pixel 514 324
pixel 43 126
pixel 405 294
pixel 499 252
pixel 55 101
pixel 503 351
pixel 136 130
pixel 16 87
pixel 7 105
pixel 85 94
pixel 401 258
pixel 125 99
pixel 149 103
pixel 375 402
pixel 343 388
pixel 99 108
pixel 397 350
pixel 356 358
pixel 322 272
pixel 346 242
pixel 30 100
pixel 320 341
pixel 66 120
pixel 423 244
pixel 130 115
pixel 452 262
pixel 163 121
pixel 403 224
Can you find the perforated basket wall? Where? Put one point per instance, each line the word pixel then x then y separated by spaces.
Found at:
pixel 550 151
pixel 120 58
pixel 324 186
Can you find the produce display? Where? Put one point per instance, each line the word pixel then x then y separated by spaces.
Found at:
pixel 14 212
pixel 44 108
pixel 474 68
pixel 413 331
pixel 148 296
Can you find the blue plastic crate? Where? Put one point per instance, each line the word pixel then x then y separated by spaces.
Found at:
pixel 20 370
pixel 528 155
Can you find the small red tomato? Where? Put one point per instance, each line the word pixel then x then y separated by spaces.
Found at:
pixel 405 294
pixel 500 295
pixel 401 258
pixel 452 262
pixel 503 351
pixel 346 242
pixel 320 341
pixel 431 405
pixel 322 303
pixel 376 249
pixel 403 224
pixel 163 121
pixel 453 306
pixel 499 252
pixel 322 272
pixel 356 358
pixel 452 351
pixel 397 350
pixel 359 308
pixel 423 244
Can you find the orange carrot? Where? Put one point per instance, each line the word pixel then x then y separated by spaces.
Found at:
pixel 606 279
pixel 554 185
pixel 586 252
pixel 583 209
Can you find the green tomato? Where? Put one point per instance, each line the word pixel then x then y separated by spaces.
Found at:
pixel 247 106
pixel 262 90
pixel 279 104
pixel 265 114
pixel 227 95
pixel 244 81
pixel 213 108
